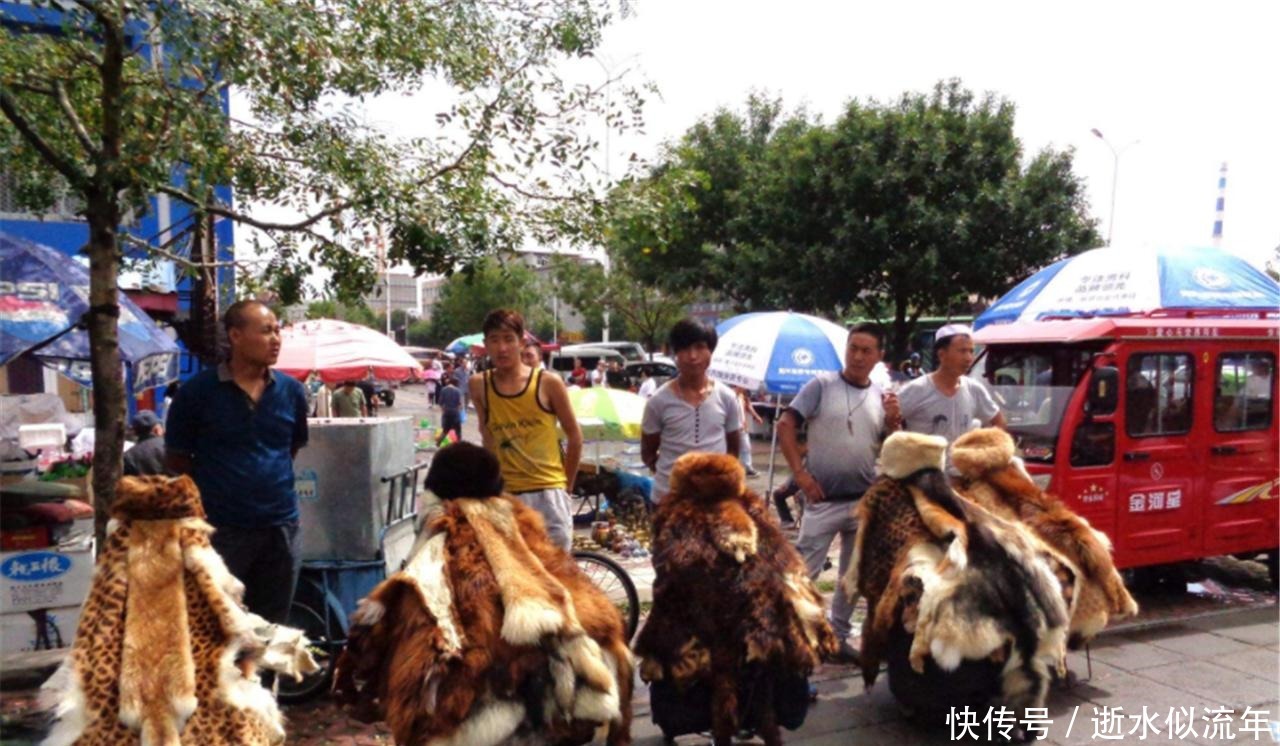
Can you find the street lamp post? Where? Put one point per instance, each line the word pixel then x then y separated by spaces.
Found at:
pixel 1115 177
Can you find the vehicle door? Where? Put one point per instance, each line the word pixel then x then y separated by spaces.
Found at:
pixel 1159 516
pixel 1087 483
pixel 1240 450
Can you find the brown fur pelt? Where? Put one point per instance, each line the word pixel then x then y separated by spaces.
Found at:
pixel 164 654
pixel 992 478
pixel 966 584
pixel 730 591
pixel 490 634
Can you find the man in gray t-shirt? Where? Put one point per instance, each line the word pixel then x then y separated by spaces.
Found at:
pixel 847 418
pixel 947 402
pixel 691 412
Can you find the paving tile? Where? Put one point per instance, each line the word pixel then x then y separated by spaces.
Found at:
pixel 1217 684
pixel 1132 655
pixel 1258 661
pixel 1193 644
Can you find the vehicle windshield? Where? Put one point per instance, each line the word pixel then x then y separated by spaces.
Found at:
pixel 1033 386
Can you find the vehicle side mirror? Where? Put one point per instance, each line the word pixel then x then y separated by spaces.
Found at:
pixel 1104 390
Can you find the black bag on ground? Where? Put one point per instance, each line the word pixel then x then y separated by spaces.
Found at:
pixel 679 712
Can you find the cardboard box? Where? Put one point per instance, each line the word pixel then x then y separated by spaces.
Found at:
pixel 45 578
pixel 21 633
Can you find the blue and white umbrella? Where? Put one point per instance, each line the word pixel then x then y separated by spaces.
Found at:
pixel 1121 282
pixel 777 350
pixel 43 295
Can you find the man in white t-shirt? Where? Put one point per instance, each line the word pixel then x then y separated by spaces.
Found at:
pixel 691 412
pixel 648 384
pixel 848 416
pixel 947 402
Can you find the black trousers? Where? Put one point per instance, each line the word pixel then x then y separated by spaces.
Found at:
pixel 450 421
pixel 267 560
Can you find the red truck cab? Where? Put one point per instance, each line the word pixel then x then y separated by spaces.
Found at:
pixel 1161 432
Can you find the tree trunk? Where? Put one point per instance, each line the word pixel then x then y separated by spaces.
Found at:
pixel 104 360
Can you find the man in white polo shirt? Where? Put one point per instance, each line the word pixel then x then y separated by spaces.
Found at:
pixel 947 402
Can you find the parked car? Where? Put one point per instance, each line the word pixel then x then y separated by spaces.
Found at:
pixel 660 371
pixel 562 361
pixel 630 351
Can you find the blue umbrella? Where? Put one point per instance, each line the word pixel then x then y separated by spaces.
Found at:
pixel 1116 282
pixel 43 295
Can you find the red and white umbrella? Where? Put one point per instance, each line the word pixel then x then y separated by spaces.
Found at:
pixel 339 351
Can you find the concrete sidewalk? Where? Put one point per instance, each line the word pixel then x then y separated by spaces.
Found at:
pixel 1196 678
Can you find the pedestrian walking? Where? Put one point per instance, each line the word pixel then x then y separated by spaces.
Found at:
pixel 847 417
pixel 691 412
pixel 518 408
pixel 451 402
pixel 348 401
pixel 236 429
pixel 147 454
pixel 749 415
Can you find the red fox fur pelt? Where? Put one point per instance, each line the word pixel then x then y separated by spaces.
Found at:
pixel 163 655
pixel 490 633
pixel 993 478
pixel 730 592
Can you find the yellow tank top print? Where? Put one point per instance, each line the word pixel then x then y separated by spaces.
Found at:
pixel 524 436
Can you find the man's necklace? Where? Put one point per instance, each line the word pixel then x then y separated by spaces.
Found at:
pixel 852 410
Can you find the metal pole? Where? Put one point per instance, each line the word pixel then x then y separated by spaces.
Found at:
pixel 1115 180
pixel 773 446
pixel 1115 177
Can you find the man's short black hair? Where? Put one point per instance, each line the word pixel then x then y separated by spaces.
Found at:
pixel 871 328
pixel 464 470
pixel 234 318
pixel 687 333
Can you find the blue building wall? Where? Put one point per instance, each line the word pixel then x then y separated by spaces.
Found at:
pixel 70 235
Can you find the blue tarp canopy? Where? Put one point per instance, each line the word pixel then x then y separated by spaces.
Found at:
pixel 44 294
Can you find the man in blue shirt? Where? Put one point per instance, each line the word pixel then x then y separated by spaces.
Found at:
pixel 235 429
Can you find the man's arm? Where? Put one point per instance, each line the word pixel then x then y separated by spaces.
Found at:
pixel 649 443
pixel 788 426
pixel 999 421
pixel 475 386
pixel 651 433
pixel 733 442
pixel 558 399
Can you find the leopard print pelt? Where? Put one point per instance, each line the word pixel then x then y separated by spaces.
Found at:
pixel 231 707
pixel 889 525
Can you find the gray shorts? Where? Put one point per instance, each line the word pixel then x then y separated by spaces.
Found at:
pixel 556 507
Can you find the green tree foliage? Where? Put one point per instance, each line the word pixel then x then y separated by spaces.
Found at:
pixel 467 296
pixel 893 210
pixel 419 333
pixel 646 311
pixel 95 111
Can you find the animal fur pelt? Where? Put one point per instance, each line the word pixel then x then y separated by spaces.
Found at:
pixel 164 653
pixel 993 478
pixel 965 584
pixel 731 594
pixel 491 634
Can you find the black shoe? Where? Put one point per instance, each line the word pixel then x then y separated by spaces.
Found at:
pixel 752 473
pixel 846 655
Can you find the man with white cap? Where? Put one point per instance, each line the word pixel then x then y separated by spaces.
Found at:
pixel 947 402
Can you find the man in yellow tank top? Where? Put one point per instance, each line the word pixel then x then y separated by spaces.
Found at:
pixel 518 408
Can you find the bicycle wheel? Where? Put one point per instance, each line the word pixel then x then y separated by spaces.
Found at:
pixel 311 622
pixel 614 581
